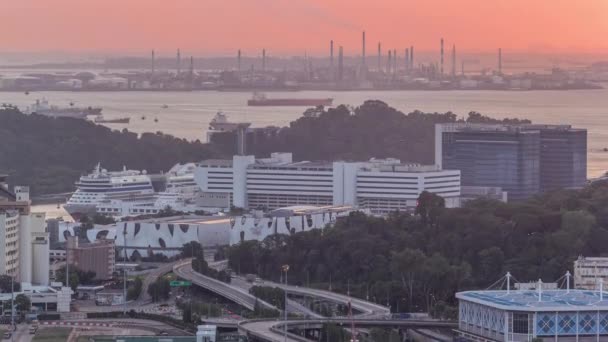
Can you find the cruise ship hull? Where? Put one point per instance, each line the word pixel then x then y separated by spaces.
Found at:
pixel 79 210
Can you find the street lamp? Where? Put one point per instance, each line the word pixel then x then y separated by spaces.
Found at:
pixel 12 305
pixel 285 269
pixel 124 233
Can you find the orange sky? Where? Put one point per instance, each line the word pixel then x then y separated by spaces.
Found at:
pixel 219 27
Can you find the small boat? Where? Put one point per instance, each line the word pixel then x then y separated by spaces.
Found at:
pixel 143 117
pixel 155 119
pixel 164 106
pixel 101 119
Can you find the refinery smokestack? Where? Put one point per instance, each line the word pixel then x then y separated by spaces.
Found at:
pixel 331 60
pixel 411 57
pixel 500 61
pixel 263 60
pixel 238 60
pixel 379 57
pixel 363 50
pixel 331 54
pixel 454 60
pixel 179 62
pixel 191 66
pixel 394 60
pixel 407 59
pixel 340 63
pixel 390 62
pixel 441 56
pixel 153 62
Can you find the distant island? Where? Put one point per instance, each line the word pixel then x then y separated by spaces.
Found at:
pixel 49 154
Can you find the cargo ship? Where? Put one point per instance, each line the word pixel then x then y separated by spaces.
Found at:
pixel 43 107
pixel 101 119
pixel 261 100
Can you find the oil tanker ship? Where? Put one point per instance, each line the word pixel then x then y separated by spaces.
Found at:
pixel 261 100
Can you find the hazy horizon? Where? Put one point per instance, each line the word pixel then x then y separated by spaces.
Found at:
pixel 288 28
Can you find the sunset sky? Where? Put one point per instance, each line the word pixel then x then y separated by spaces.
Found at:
pixel 219 27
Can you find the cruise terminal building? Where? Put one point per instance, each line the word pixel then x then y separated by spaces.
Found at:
pixel 522 315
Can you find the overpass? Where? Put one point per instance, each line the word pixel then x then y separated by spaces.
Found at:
pixel 273 331
pixel 184 270
pixel 366 308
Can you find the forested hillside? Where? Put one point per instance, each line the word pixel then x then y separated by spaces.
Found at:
pixel 415 262
pixel 373 129
pixel 49 154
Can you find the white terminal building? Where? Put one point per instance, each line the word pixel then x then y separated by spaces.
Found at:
pixel 380 185
pixel 588 271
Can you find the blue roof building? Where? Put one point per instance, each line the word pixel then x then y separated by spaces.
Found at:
pixel 551 315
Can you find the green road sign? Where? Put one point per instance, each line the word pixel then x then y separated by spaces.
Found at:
pixel 177 283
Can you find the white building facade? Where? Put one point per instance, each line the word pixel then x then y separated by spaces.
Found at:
pixel 589 271
pixel 379 185
pixel 24 242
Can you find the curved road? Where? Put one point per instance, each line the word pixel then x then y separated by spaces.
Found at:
pixel 184 270
pixel 368 309
pixel 272 331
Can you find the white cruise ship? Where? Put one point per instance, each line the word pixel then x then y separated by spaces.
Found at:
pixel 180 194
pixel 102 186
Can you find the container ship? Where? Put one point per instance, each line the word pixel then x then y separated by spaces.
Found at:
pixel 262 100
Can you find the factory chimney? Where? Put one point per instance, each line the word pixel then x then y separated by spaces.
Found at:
pixel 238 60
pixel 379 56
pixel 500 61
pixel 453 60
pixel 363 50
pixel 179 62
pixel 390 62
pixel 394 60
pixel 340 63
pixel 191 66
pixel 263 60
pixel 331 60
pixel 411 57
pixel 153 62
pixel 441 57
pixel 407 59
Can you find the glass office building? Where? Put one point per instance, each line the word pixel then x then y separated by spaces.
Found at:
pixel 523 160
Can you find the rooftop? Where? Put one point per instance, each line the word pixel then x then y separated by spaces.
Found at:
pixel 527 300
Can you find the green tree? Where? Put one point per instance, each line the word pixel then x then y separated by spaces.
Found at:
pixel 408 265
pixel 159 290
pixel 429 206
pixel 5 284
pixel 192 249
pixel 22 303
pixel 134 291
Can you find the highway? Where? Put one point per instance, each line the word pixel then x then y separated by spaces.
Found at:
pixel 367 309
pixel 183 269
pixel 144 297
pixel 272 331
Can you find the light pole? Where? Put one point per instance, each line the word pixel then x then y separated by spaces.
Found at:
pixel 12 306
pixel 124 234
pixel 285 269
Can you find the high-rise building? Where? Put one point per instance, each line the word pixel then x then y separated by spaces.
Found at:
pixel 523 160
pixel 24 242
pixel 97 257
pixel 563 152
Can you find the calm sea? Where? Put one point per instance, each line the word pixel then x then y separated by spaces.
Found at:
pixel 189 113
